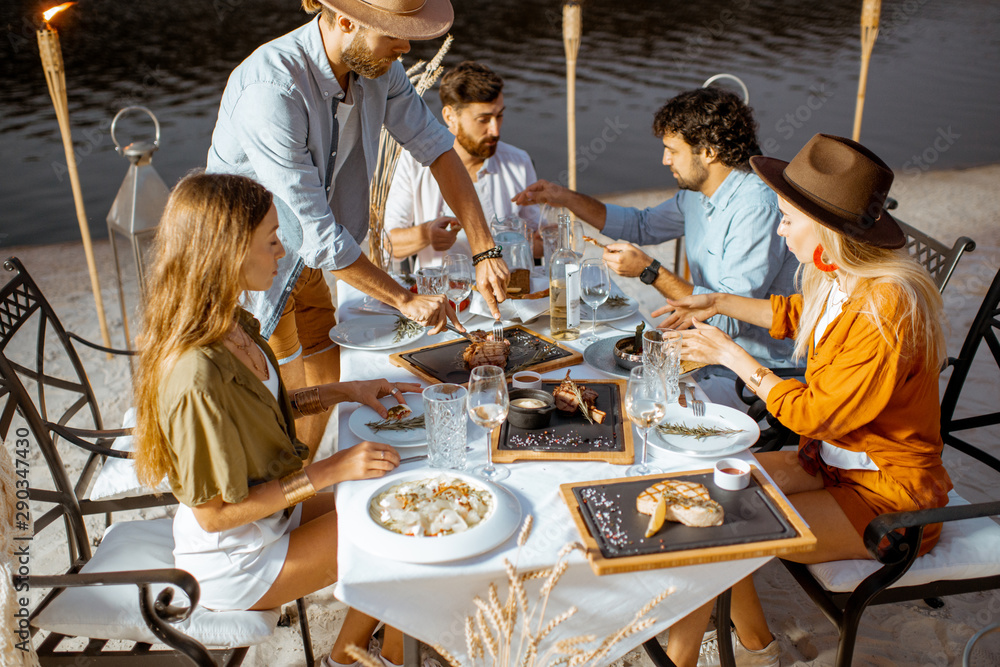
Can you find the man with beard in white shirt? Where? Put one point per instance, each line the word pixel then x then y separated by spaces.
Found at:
pixel 418 219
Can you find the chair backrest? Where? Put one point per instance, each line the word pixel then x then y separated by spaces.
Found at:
pixel 23 308
pixel 985 328
pixel 937 258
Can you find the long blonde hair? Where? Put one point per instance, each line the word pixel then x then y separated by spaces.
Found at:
pixel 912 325
pixel 193 292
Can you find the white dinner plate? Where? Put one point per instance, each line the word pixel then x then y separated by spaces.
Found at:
pixel 361 417
pixel 493 531
pixel 375 332
pixel 716 416
pixel 607 313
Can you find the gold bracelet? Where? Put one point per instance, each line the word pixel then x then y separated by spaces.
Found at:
pixel 307 401
pixel 296 487
pixel 758 377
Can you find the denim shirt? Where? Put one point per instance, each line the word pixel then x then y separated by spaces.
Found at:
pixel 732 246
pixel 275 125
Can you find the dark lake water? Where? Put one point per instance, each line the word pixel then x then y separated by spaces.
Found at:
pixel 933 92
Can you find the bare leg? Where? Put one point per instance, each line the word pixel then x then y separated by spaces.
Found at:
pixel 748 616
pixel 392 646
pixel 685 637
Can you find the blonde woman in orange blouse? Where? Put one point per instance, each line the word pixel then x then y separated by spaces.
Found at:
pixel 868 323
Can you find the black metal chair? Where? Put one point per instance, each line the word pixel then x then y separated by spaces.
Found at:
pixel 898 574
pixel 58 377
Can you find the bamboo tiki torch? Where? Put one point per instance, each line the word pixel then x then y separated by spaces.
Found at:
pixel 870 11
pixel 55 75
pixel 572 27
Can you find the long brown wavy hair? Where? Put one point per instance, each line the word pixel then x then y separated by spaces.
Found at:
pixel 193 292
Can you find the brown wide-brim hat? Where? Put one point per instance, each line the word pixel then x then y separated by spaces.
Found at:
pixel 403 19
pixel 840 184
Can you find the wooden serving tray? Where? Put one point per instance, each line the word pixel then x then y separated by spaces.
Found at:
pixel 759 522
pixel 610 441
pixel 442 362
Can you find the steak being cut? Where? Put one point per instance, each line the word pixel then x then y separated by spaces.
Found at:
pixel 484 351
pixel 687 503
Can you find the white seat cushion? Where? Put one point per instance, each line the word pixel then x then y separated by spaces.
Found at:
pixel 117 478
pixel 967 549
pixel 112 612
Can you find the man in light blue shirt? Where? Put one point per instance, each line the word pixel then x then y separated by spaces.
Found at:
pixel 728 217
pixel 302 116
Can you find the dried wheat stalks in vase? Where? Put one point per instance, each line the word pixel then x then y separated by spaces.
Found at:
pixel 422 77
pixel 513 633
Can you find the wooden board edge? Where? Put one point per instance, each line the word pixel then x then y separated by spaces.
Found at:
pixel 593 550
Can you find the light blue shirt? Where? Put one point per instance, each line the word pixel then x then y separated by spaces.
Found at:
pixel 732 246
pixel 275 125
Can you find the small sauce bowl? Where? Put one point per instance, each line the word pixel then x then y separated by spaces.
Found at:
pixel 732 474
pixel 624 355
pixel 528 416
pixel 526 380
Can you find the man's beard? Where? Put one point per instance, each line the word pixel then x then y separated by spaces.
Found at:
pixel 480 150
pixel 697 177
pixel 359 58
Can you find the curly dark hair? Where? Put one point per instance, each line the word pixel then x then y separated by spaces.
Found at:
pixel 712 118
pixel 467 83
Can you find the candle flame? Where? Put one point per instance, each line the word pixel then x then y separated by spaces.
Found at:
pixel 49 13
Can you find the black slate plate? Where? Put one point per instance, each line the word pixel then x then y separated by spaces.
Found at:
pixel 444 362
pixel 611 517
pixel 571 432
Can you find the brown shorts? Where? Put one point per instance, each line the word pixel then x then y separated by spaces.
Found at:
pixel 306 321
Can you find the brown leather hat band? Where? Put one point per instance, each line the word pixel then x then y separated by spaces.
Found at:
pixel 864 220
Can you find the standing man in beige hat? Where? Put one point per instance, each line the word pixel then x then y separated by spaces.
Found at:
pixel 302 116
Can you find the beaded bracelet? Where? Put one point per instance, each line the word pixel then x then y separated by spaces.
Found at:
pixel 307 401
pixel 296 487
pixel 496 252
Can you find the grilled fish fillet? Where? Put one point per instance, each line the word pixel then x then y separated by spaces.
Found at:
pixel 687 503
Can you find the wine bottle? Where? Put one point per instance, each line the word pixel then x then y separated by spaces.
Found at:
pixel 564 285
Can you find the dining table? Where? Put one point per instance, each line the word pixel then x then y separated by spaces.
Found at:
pixel 431 601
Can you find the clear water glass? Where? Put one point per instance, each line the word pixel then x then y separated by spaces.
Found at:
pixel 488 406
pixel 595 288
pixel 430 280
pixel 646 406
pixel 550 242
pixel 663 355
pixel 446 423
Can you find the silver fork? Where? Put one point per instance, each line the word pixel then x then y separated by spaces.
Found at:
pixel 497 331
pixel 698 407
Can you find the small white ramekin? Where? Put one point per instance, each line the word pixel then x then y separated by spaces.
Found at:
pixel 724 479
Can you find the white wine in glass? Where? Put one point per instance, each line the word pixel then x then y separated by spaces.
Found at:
pixel 646 406
pixel 488 404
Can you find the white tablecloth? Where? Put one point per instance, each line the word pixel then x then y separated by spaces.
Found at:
pixel 431 602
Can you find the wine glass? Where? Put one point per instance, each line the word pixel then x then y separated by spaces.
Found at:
pixel 458 278
pixel 595 287
pixel 488 404
pixel 646 406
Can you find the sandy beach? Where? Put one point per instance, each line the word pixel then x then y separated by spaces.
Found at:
pixel 944 204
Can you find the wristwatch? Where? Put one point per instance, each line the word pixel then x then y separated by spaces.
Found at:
pixel 648 274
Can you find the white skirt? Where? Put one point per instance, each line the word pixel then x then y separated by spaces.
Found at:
pixel 233 567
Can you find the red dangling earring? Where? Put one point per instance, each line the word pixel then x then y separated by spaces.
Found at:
pixel 818 261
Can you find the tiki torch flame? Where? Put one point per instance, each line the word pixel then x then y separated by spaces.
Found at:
pixel 49 13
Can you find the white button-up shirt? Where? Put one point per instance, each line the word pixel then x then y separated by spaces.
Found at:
pixel 415 198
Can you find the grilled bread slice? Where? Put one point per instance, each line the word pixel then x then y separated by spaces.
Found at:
pixel 687 503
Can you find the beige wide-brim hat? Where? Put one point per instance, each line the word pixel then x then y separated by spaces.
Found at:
pixel 840 184
pixel 403 19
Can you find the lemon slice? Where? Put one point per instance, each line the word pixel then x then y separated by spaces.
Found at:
pixel 658 517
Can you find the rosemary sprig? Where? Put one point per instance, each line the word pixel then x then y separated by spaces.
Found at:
pixel 616 301
pixel 697 432
pixel 580 404
pixel 404 328
pixel 541 353
pixel 397 424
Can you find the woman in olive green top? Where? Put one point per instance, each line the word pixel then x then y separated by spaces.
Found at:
pixel 214 417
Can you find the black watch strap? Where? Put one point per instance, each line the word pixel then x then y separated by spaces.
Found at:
pixel 648 274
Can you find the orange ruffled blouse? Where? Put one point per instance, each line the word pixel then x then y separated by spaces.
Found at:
pixel 862 394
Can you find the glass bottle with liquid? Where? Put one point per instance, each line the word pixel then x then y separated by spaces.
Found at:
pixel 564 285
